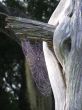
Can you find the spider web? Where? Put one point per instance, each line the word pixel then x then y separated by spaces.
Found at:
pixel 34 55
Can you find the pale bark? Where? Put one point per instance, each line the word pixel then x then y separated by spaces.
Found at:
pixel 55 75
pixel 67 44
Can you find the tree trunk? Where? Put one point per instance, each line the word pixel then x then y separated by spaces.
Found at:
pixel 65 67
pixel 67 43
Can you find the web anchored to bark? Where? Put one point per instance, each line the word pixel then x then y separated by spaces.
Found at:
pixel 35 58
pixel 67 43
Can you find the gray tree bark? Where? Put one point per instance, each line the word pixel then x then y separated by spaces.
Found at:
pixel 67 43
pixel 30 29
pixel 66 81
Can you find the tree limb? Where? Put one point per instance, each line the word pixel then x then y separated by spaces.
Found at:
pixel 30 29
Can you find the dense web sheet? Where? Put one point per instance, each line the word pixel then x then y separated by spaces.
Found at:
pixel 34 55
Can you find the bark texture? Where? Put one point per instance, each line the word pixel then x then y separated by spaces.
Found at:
pixel 66 80
pixel 30 29
pixel 67 43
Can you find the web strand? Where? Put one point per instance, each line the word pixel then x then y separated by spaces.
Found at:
pixel 34 55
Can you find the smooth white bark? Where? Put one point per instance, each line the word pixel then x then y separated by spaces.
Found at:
pixel 55 76
pixel 61 19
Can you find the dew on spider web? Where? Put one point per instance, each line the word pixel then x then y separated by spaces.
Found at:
pixel 35 58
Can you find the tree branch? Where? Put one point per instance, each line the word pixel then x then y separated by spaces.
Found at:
pixel 30 29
